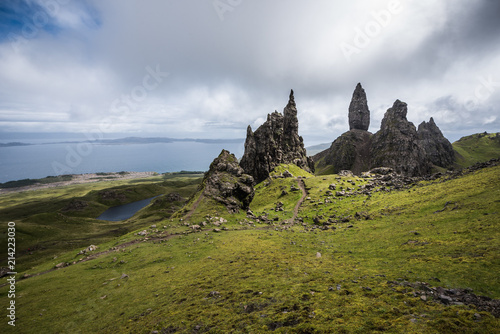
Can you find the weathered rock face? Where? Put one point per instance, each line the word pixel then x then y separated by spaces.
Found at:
pixel 350 151
pixel 275 142
pixel 359 114
pixel 227 183
pixel 397 145
pixel 436 146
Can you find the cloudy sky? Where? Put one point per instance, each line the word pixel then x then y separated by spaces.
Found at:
pixel 208 68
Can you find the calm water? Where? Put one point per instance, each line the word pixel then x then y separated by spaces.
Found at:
pixel 125 211
pixel 38 161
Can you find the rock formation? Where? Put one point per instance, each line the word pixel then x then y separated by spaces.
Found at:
pixel 227 183
pixel 397 145
pixel 436 146
pixel 275 142
pixel 350 151
pixel 359 114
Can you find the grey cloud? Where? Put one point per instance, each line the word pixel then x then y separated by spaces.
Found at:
pixel 225 74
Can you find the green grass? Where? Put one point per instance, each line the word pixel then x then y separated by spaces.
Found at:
pixel 477 148
pixel 45 227
pixel 268 278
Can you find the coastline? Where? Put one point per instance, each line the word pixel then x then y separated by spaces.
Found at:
pixel 80 179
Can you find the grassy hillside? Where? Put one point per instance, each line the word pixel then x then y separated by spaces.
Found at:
pixel 53 220
pixel 477 148
pixel 350 264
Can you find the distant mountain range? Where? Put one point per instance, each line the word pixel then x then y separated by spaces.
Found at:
pixel 13 144
pixel 134 140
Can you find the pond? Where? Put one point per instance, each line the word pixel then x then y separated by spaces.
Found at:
pixel 122 212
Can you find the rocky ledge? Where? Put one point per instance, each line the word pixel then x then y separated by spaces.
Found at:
pixel 227 183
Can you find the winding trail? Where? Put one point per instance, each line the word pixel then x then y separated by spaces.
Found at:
pixel 195 206
pixel 302 187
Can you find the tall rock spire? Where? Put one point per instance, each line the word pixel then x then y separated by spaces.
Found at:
pixel 359 114
pixel 275 142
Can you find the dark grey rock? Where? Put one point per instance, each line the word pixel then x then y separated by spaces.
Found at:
pixel 227 183
pixel 275 142
pixel 359 114
pixel 396 144
pixel 350 151
pixel 436 146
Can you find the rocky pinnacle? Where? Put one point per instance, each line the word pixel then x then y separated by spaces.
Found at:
pixel 275 142
pixel 437 147
pixel 359 114
pixel 397 145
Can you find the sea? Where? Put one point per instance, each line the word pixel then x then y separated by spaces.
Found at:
pixel 41 159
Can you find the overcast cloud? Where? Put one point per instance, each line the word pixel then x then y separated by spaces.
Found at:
pixel 207 69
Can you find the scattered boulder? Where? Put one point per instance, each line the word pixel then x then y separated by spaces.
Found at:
pixel 452 296
pixel 89 249
pixel 381 170
pixel 345 173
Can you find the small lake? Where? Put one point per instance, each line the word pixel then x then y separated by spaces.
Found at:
pixel 122 212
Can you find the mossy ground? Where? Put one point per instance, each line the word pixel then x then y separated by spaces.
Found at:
pixel 477 148
pixel 255 278
pixel 44 228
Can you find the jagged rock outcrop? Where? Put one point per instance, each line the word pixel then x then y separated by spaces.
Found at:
pixel 436 146
pixel 350 151
pixel 359 114
pixel 397 145
pixel 275 142
pixel 227 183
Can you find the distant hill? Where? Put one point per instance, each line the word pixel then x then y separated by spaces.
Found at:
pixel 476 148
pixel 136 140
pixel 13 144
pixel 313 150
